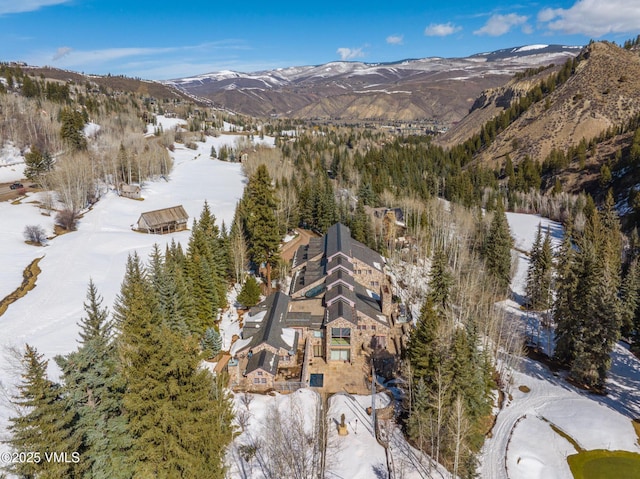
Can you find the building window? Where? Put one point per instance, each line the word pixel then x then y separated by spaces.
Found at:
pixel 340 336
pixel 259 373
pixel 264 380
pixel 373 327
pixel 340 355
pixel 318 334
pixel 359 271
pixel 256 380
pixel 317 350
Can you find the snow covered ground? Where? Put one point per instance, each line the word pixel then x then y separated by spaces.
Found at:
pixel 357 455
pixel 523 444
pixel 11 163
pixel 47 316
pixel 261 420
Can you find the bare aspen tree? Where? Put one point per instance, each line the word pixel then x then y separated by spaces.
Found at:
pixel 460 428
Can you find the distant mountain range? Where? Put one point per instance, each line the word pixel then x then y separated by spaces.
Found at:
pixel 441 90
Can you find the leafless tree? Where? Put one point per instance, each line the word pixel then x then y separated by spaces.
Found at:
pixel 35 234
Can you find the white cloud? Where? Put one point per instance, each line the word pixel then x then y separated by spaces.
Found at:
pixel 594 17
pixel 441 29
pixel 500 24
pixel 20 6
pixel 350 53
pixel 61 52
pixel 395 39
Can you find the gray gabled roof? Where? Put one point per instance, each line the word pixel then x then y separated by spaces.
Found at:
pixel 337 240
pixel 157 218
pixel 270 329
pixel 339 291
pixel 340 309
pixel 265 360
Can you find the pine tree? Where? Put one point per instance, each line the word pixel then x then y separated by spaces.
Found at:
pixel 566 302
pixel 590 324
pixel 440 280
pixel 630 299
pixel 211 343
pixel 46 423
pixel 497 250
pixel 425 350
pixel 95 389
pixel 539 274
pixel 250 294
pixel 261 228
pixel 177 416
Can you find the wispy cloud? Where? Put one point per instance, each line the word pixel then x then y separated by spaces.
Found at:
pixel 441 29
pixel 61 52
pixel 350 53
pixel 593 17
pixel 164 62
pixel 500 24
pixel 395 39
pixel 21 6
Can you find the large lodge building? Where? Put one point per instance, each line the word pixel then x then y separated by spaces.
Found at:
pixel 339 306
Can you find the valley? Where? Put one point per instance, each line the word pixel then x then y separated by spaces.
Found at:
pixel 418 269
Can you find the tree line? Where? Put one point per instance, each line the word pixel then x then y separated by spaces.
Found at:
pixel 133 399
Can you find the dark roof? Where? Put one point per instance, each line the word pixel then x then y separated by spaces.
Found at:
pixel 337 240
pixel 368 306
pixel 339 261
pixel 339 275
pixel 315 247
pixel 397 212
pixel 309 274
pixel 264 360
pixel 269 330
pixel 338 291
pixel 340 309
pixel 368 256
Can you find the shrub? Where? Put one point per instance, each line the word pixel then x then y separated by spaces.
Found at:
pixel 67 219
pixel 35 234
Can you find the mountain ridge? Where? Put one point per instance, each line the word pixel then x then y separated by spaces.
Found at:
pixel 433 88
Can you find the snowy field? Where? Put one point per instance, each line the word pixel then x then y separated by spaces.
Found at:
pixel 524 445
pixel 47 316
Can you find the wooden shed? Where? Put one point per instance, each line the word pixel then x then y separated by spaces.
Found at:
pixel 167 220
pixel 130 191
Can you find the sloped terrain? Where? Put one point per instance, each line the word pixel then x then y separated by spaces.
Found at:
pixel 436 89
pixel 604 92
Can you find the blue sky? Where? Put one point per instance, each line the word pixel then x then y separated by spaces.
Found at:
pixel 162 40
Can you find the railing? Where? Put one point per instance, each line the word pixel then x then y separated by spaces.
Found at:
pixel 289 385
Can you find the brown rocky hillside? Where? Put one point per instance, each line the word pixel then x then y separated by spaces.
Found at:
pixel 603 92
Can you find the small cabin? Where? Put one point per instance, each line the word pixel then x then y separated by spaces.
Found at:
pixel 167 220
pixel 132 191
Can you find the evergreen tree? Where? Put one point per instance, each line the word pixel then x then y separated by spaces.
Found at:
pixel 566 302
pixel 440 279
pixel 630 299
pixel 45 425
pixel 261 227
pixel 94 390
pixel 211 343
pixel 250 294
pixel 497 250
pixel 177 416
pixel 37 163
pixel 539 274
pixel 588 330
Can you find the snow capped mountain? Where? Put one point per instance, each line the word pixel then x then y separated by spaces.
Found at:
pixel 328 90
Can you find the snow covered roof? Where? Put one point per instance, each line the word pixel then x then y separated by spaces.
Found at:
pixel 265 360
pixel 269 319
